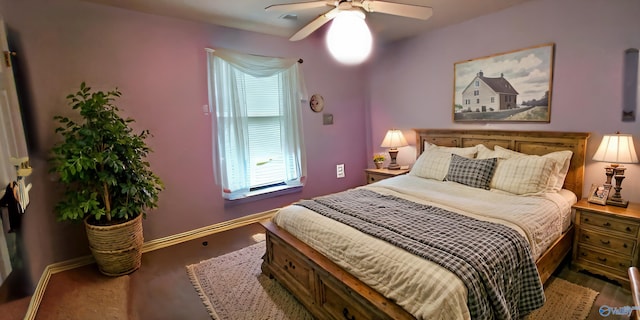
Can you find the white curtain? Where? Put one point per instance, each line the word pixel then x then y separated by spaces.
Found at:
pixel 230 126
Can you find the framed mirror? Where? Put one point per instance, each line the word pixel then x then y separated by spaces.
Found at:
pixel 13 166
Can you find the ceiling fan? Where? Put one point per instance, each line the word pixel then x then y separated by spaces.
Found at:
pixel 398 9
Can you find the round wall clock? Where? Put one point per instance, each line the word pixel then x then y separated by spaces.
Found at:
pixel 316 103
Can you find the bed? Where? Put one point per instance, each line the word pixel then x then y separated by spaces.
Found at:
pixel 329 268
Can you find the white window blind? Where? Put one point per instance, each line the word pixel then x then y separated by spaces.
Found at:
pixel 265 146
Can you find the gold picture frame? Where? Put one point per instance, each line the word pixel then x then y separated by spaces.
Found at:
pixel 512 86
pixel 599 194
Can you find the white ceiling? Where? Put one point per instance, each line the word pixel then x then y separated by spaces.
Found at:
pixel 250 14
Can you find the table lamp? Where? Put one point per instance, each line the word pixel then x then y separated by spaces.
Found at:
pixel 616 149
pixel 393 140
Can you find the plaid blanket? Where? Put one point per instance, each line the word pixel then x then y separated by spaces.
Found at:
pixel 476 251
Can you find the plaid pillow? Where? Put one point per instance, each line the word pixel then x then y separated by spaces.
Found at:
pixel 475 173
pixel 562 161
pixel 523 175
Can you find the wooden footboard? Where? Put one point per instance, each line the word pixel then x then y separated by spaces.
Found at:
pixel 329 292
pixel 324 288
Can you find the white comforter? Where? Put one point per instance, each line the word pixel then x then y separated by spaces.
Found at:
pixel 421 287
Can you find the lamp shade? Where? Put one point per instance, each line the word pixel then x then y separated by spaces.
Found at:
pixel 616 148
pixel 349 39
pixel 394 139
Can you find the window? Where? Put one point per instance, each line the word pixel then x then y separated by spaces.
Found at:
pixel 257 134
pixel 266 161
pixel 493 99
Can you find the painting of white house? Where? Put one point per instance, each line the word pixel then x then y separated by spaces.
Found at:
pixel 512 86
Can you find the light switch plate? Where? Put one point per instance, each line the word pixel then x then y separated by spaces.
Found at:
pixel 327 119
pixel 340 170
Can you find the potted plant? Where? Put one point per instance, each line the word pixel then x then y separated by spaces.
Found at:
pixel 378 159
pixel 108 184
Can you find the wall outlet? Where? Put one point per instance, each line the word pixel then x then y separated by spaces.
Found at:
pixel 340 170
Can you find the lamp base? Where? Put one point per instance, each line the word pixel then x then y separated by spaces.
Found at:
pixel 393 153
pixel 616 199
pixel 393 166
pixel 618 203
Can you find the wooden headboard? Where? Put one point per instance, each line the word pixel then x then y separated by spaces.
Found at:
pixel 529 142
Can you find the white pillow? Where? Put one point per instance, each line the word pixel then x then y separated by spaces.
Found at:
pixel 563 159
pixel 562 162
pixel 523 175
pixel 485 153
pixel 467 152
pixel 434 161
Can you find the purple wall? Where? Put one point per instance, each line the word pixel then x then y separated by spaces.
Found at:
pixel 411 83
pixel 159 64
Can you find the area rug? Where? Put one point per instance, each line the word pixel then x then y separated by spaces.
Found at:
pixel 565 300
pixel 233 287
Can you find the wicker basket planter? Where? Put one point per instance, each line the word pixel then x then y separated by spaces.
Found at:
pixel 117 249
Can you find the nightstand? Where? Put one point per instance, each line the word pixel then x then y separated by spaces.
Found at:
pixel 374 175
pixel 606 239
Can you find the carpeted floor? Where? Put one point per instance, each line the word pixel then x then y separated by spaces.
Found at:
pixel 15 309
pixel 103 297
pixel 232 287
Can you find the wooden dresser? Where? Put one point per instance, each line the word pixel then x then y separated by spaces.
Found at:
pixel 374 175
pixel 606 239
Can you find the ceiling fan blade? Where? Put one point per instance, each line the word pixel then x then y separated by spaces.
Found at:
pixel 398 9
pixel 314 25
pixel 290 7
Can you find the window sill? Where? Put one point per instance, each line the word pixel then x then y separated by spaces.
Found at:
pixel 261 194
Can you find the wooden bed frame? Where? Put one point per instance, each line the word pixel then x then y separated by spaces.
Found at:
pixel 329 292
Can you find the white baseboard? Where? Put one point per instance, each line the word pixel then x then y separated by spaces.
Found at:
pixel 146 247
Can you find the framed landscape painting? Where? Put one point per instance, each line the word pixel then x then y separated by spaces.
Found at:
pixel 506 87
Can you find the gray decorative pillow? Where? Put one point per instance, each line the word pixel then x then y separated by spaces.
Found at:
pixel 475 173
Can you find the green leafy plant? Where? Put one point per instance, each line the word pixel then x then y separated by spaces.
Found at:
pixel 101 162
pixel 378 157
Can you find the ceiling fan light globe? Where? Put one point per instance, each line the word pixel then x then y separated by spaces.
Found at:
pixel 349 40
